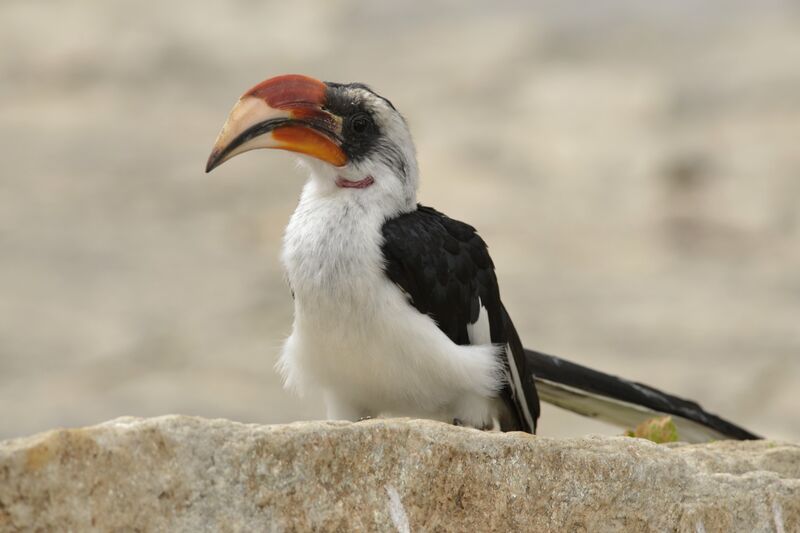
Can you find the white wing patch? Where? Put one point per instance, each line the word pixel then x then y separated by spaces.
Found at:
pixel 479 332
pixel 519 392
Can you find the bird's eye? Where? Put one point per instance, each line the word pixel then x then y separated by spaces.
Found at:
pixel 360 123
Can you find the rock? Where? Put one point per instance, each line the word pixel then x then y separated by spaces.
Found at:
pixel 179 473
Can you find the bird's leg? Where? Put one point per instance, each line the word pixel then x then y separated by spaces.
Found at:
pixel 458 422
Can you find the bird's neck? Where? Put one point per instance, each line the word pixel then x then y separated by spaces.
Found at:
pixel 332 245
pixel 387 195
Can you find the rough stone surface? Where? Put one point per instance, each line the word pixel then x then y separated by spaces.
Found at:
pixel 179 473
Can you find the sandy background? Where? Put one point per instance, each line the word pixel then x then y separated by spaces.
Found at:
pixel 634 167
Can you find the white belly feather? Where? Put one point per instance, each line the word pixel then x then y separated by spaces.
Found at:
pixel 355 334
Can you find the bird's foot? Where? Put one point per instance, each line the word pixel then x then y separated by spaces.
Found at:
pixel 363 418
pixel 458 422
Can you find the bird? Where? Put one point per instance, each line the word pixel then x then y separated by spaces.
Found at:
pixel 397 307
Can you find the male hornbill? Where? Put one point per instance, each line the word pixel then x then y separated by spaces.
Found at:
pixel 397 307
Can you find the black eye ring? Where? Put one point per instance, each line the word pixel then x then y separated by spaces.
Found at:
pixel 360 123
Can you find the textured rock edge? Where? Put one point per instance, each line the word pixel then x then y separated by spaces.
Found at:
pixel 186 473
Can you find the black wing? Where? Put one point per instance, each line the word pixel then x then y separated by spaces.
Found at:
pixel 445 268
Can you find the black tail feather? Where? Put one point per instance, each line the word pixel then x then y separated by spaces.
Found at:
pixel 559 371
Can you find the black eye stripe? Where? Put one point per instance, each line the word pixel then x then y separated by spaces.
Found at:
pixel 362 134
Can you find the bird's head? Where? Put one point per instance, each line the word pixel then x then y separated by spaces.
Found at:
pixel 354 141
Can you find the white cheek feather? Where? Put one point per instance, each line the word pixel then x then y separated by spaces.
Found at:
pixel 355 334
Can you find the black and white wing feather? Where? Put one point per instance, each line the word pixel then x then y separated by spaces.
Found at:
pixel 445 269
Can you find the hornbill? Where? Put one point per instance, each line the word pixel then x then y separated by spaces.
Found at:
pixel 397 307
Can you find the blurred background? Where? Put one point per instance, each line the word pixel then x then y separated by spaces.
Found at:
pixel 635 168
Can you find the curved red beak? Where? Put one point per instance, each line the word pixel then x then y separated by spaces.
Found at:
pixel 287 113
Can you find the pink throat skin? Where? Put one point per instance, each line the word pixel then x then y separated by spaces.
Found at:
pixel 360 184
